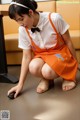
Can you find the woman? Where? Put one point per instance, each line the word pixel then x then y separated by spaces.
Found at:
pixel 54 54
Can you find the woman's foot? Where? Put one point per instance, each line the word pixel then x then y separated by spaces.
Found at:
pixel 43 86
pixel 68 85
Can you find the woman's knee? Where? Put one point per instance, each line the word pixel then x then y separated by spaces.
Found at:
pixel 48 73
pixel 35 67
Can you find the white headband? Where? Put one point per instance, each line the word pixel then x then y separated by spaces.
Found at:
pixel 15 3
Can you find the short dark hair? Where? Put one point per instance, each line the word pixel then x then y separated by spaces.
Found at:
pixel 16 9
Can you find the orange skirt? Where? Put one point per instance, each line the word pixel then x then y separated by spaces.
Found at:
pixel 61 61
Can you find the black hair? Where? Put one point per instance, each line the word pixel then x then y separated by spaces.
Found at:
pixel 16 9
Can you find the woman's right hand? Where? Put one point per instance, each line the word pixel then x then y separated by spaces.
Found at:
pixel 17 89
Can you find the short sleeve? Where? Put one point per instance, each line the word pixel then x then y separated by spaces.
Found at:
pixel 61 25
pixel 24 41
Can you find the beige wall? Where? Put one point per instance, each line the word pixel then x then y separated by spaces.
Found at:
pixel 70 12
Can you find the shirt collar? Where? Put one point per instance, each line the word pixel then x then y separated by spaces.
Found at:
pixel 40 22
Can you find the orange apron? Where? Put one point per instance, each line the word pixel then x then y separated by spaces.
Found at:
pixel 58 58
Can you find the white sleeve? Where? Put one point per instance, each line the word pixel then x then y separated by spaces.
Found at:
pixel 60 24
pixel 24 40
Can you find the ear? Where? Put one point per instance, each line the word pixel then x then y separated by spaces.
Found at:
pixel 31 12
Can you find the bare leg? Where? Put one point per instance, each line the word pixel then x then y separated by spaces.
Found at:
pixel 40 69
pixel 49 75
pixel 35 69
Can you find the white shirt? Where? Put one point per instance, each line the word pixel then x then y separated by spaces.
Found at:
pixel 46 38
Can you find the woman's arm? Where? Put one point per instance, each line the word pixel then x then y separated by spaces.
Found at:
pixel 67 39
pixel 27 56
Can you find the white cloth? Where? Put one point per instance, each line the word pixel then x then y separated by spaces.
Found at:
pixel 46 38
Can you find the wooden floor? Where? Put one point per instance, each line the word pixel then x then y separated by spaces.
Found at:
pixel 51 105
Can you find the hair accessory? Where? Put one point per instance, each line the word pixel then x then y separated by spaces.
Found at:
pixel 15 3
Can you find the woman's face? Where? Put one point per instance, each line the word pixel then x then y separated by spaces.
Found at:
pixel 25 20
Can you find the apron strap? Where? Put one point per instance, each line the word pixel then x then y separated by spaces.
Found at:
pixel 52 23
pixel 58 35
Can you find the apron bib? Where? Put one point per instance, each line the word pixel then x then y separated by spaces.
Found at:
pixel 59 58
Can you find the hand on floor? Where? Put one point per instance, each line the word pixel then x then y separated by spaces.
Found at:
pixel 16 90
